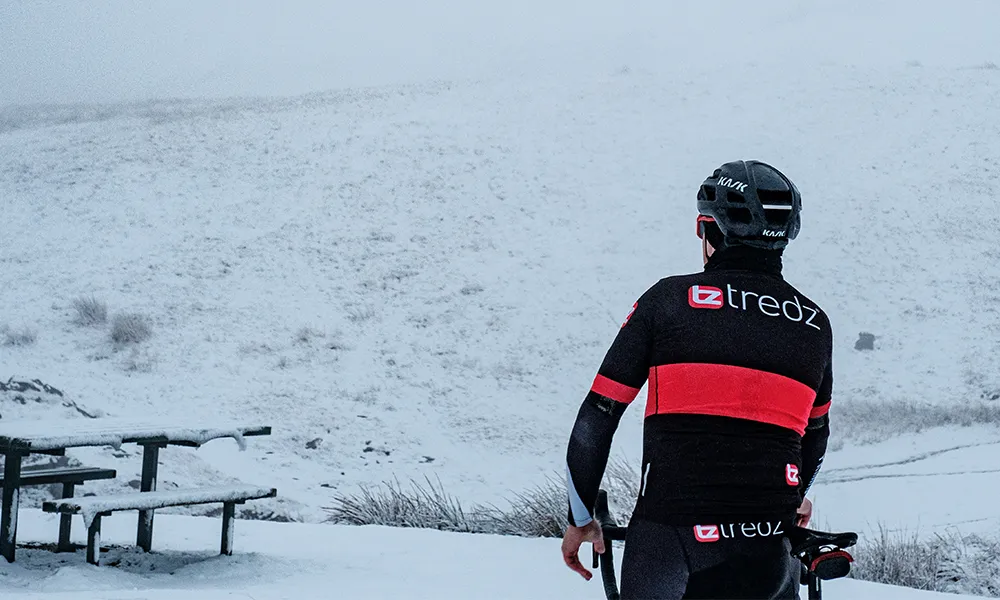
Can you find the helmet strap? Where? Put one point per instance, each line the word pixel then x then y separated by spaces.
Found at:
pixel 713 234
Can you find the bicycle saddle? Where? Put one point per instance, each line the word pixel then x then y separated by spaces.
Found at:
pixel 823 553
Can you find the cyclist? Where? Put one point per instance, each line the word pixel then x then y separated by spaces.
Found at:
pixel 738 364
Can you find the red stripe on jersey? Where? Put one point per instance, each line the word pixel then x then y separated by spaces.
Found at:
pixel 612 389
pixel 728 391
pixel 819 411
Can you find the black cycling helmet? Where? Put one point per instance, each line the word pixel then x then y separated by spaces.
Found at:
pixel 753 204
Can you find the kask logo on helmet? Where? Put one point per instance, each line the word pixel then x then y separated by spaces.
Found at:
pixel 704 296
pixel 731 183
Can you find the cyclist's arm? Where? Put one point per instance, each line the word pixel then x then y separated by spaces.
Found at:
pixel 817 432
pixel 618 381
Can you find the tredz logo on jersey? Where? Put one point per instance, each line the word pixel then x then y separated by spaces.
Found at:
pixel 630 313
pixel 791 475
pixel 704 296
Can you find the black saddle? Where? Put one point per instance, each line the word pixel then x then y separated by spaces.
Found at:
pixel 822 554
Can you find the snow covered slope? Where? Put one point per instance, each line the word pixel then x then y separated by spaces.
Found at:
pixel 300 561
pixel 421 280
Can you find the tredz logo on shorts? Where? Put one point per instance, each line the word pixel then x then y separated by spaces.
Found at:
pixel 703 296
pixel 713 533
pixel 706 533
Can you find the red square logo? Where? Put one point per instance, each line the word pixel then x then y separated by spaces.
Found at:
pixel 792 475
pixel 706 533
pixel 703 296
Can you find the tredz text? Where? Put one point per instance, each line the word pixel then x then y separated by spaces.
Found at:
pixel 703 296
pixel 793 309
pixel 729 531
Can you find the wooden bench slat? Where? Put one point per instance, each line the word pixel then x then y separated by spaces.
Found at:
pixel 93 505
pixel 69 477
pixel 64 475
pixel 39 436
pixel 93 508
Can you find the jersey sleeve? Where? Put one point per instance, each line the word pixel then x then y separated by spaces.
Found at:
pixel 618 381
pixel 825 394
pixel 817 434
pixel 626 365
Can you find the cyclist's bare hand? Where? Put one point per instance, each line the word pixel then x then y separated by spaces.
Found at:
pixel 574 538
pixel 804 513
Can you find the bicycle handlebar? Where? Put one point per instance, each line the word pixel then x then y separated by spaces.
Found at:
pixel 611 531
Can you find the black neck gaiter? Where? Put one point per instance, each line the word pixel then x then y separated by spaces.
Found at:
pixel 745 258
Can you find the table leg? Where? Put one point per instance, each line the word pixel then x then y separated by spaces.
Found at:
pixel 94 541
pixel 150 463
pixel 8 516
pixel 228 520
pixel 66 522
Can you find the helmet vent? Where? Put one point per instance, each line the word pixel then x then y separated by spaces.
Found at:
pixel 740 215
pixel 779 197
pixel 776 218
pixel 735 198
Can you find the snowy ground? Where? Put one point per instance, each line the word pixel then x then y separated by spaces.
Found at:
pixel 941 481
pixel 421 280
pixel 302 561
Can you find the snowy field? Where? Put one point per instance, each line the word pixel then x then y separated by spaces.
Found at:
pixel 300 561
pixel 414 269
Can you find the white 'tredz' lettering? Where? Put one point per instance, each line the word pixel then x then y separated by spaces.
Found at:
pixel 704 296
pixel 793 309
pixel 729 531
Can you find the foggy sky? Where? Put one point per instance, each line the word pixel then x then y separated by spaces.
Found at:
pixel 111 50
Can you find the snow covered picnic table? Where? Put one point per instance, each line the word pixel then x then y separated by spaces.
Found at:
pixel 18 439
pixel 54 436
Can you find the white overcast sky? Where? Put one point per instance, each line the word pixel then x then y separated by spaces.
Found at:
pixel 109 50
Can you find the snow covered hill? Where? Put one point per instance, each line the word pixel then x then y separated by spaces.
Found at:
pixel 435 271
pixel 420 279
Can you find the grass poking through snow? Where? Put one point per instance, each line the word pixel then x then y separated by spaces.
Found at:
pixel 90 311
pixel 955 563
pixel 23 336
pixel 130 328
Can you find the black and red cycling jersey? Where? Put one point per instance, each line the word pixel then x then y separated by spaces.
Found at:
pixel 739 373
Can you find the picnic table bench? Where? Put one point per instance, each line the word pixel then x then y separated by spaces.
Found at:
pixel 69 477
pixel 19 439
pixel 94 507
